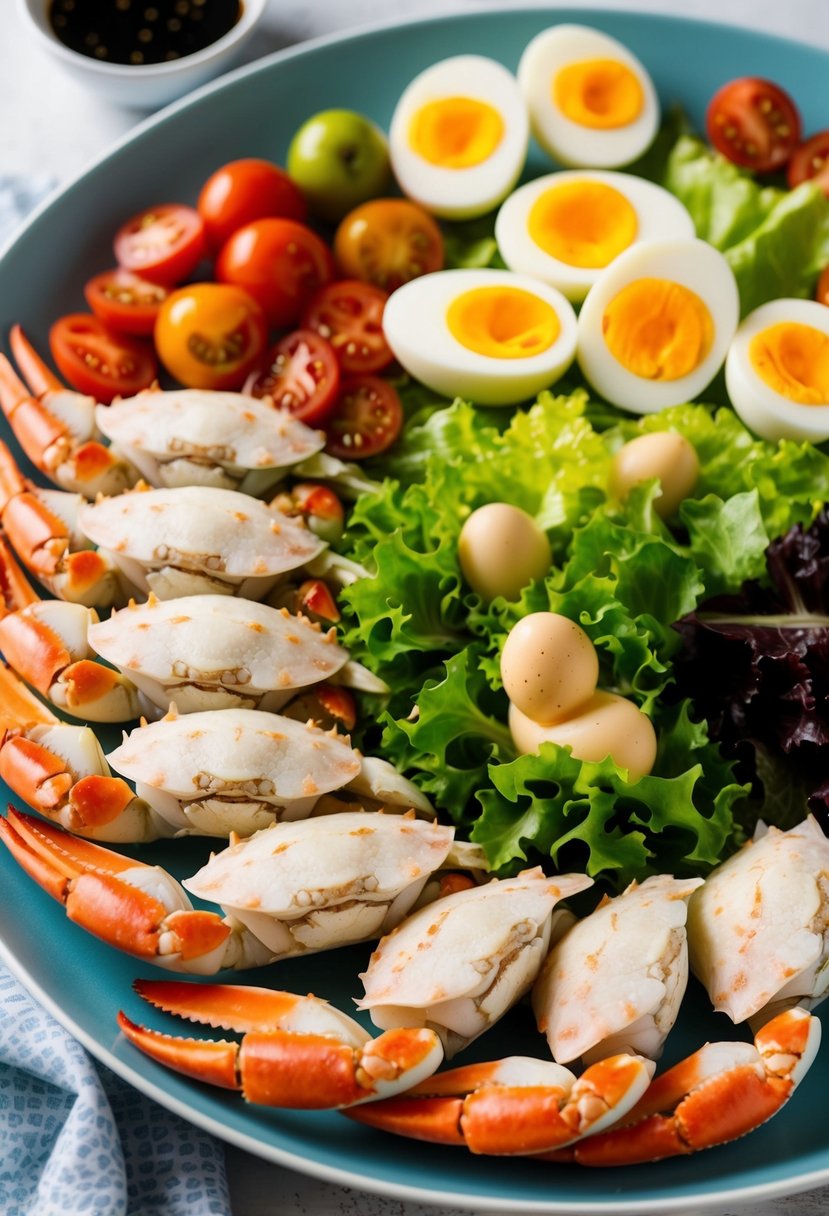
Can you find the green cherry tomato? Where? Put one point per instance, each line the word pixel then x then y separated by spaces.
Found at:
pixel 339 159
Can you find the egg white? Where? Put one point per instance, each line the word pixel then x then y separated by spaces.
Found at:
pixel 416 329
pixel 572 143
pixel 768 413
pixel 659 214
pixel 696 265
pixel 465 192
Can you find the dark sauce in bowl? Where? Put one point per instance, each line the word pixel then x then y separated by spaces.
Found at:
pixel 141 31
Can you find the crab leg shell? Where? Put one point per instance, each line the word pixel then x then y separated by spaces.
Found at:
pixel 721 1092
pixel 38 375
pixel 135 907
pixel 515 1106
pixel 297 1052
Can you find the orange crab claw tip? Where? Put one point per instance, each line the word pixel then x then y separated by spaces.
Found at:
pixel 36 866
pixel 201 1059
pixel 39 377
pixel 437 1120
pixel 224 1006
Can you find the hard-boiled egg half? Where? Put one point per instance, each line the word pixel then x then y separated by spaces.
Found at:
pixel 458 137
pixel 565 228
pixel 777 371
pixel 591 102
pixel 491 336
pixel 656 326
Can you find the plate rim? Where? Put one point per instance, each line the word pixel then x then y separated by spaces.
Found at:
pixel 275 1154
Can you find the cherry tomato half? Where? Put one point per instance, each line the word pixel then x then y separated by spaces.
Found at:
pixel 124 301
pixel 281 263
pixel 210 335
pixel 349 314
pixel 367 419
pixel 163 243
pixel 387 242
pixel 98 361
pixel 810 162
pixel 302 376
pixel 754 123
pixel 243 191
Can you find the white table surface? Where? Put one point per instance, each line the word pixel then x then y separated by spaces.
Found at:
pixel 50 125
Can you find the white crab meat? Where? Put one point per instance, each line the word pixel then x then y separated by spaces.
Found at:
pixel 615 980
pixel 217 652
pixel 320 883
pixel 758 930
pixel 233 770
pixel 195 539
pixel 196 437
pixel 459 964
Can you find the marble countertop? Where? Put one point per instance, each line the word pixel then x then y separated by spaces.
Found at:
pixel 53 128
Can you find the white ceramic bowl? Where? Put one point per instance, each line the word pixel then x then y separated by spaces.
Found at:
pixel 146 86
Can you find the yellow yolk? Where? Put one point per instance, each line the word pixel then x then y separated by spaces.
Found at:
pixel 598 93
pixel 793 359
pixel 456 132
pixel 503 322
pixel 583 223
pixel 658 329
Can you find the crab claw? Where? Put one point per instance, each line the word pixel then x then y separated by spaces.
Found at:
pixel 515 1106
pixel 721 1092
pixel 137 908
pixel 297 1051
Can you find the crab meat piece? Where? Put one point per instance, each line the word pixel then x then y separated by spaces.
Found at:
pixel 721 1092
pixel 459 964
pixel 515 1106
pixel 758 930
pixel 294 888
pixel 615 980
pixel 56 427
pixel 198 437
pixel 296 1051
pixel 217 652
pixel 195 539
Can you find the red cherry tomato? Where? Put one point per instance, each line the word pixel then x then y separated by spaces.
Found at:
pixel 210 335
pixel 301 376
pixel 243 191
pixel 98 361
pixel 810 162
pixel 163 243
pixel 350 315
pixel 367 419
pixel 124 301
pixel 754 123
pixel 281 263
pixel 388 241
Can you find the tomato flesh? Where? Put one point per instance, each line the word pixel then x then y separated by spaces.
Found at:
pixel 98 361
pixel 387 242
pixel 210 335
pixel 810 163
pixel 163 243
pixel 124 301
pixel 243 191
pixel 754 123
pixel 367 419
pixel 301 376
pixel 349 314
pixel 281 263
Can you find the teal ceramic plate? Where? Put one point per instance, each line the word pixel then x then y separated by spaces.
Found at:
pixel 253 113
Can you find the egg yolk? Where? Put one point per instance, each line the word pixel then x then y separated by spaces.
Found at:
pixel 503 322
pixel 598 93
pixel 456 132
pixel 658 329
pixel 583 223
pixel 793 359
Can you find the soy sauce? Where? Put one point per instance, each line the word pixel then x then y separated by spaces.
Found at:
pixel 141 31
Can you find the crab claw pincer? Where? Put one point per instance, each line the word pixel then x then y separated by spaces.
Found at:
pixel 296 1051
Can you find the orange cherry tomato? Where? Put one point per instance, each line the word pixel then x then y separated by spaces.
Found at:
pixel 350 315
pixel 98 361
pixel 210 335
pixel 822 289
pixel 387 242
pixel 280 262
pixel 124 301
pixel 163 243
pixel 367 419
pixel 246 190
pixel 301 375
pixel 754 123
